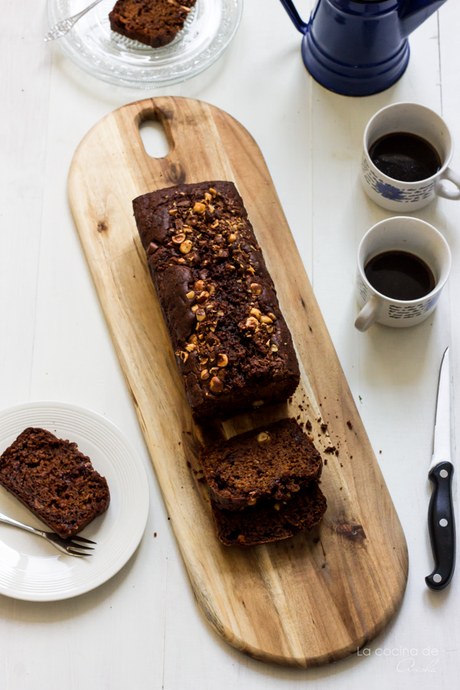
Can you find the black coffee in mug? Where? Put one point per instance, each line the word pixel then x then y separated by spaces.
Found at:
pixel 404 156
pixel 400 275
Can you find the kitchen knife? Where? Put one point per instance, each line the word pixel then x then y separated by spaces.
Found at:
pixel 441 522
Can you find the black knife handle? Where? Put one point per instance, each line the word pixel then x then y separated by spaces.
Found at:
pixel 441 525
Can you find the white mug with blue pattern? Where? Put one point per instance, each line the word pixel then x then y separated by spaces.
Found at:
pixel 397 195
pixel 407 234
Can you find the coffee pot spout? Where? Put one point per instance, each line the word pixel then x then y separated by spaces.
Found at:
pixel 412 13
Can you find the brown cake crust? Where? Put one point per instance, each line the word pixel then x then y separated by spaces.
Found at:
pixel 271 462
pixel 232 345
pixel 52 478
pixel 270 521
pixel 152 22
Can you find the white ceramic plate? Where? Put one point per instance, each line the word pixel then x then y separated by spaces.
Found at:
pixel 98 50
pixel 32 569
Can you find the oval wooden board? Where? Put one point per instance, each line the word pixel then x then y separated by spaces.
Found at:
pixel 309 600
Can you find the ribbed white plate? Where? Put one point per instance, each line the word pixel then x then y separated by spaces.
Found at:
pixel 33 570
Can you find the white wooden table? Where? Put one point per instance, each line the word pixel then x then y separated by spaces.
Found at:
pixel 142 629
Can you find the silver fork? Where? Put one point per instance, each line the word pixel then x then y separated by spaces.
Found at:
pixel 65 25
pixel 68 546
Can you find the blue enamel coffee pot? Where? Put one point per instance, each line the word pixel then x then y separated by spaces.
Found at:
pixel 358 48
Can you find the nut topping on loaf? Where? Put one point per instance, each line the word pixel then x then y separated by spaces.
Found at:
pixel 231 342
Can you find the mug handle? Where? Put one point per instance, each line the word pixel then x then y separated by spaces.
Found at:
pixel 368 314
pixel 441 190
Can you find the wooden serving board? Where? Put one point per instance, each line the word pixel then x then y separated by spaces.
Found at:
pixel 306 601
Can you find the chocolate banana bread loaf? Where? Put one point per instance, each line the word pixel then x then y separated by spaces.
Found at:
pixel 274 461
pixel 54 480
pixel 153 22
pixel 232 345
pixel 270 521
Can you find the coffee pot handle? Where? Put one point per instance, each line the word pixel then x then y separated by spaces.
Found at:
pixel 299 24
pixel 368 314
pixel 442 190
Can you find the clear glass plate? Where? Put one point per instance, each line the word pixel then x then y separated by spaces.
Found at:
pixel 101 52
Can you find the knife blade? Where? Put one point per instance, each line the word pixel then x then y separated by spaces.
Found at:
pixel 441 519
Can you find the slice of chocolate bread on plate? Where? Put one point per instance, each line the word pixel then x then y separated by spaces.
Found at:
pixel 270 521
pixel 271 462
pixel 52 478
pixel 152 22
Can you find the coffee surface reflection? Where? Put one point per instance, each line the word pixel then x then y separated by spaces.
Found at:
pixel 400 275
pixel 405 156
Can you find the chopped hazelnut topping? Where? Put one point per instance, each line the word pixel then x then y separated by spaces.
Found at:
pixel 199 207
pixel 178 239
pixel 190 295
pixel 263 437
pixel 265 319
pixel 204 374
pixel 199 285
pixel 213 191
pixel 185 247
pixel 190 347
pixel 195 308
pixel 222 360
pixel 202 297
pixel 200 315
pixel 216 385
pixel 207 196
pixel 255 312
pixel 231 238
pixel 251 323
pixel 277 506
pixel 272 316
pixel 273 347
pixel 256 289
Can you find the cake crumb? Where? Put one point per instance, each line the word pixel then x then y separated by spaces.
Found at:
pixel 349 425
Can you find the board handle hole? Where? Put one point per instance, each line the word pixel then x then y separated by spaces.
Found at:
pixel 154 138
